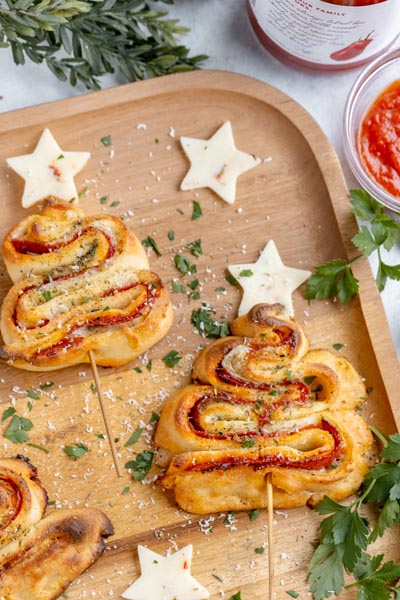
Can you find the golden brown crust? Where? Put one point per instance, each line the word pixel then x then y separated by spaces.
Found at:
pixel 41 564
pixel 235 479
pixel 264 406
pixel 80 284
pixel 263 343
pixel 23 499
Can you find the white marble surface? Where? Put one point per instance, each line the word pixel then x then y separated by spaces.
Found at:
pixel 220 28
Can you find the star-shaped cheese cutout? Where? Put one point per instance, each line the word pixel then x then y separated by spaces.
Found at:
pixel 268 280
pixel 165 577
pixel 216 163
pixel 48 171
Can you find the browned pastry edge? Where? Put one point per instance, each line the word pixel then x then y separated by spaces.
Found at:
pixel 41 563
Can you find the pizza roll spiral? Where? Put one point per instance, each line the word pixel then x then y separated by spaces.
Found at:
pixel 80 284
pixel 23 499
pixel 264 405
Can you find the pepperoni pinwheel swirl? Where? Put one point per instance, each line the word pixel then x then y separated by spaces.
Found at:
pixel 80 284
pixel 23 499
pixel 264 404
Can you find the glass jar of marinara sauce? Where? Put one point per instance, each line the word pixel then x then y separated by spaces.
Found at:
pixel 326 34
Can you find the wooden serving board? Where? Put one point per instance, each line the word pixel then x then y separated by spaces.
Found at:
pixel 299 199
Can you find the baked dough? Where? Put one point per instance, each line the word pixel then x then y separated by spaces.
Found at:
pixel 23 499
pixel 40 564
pixel 80 283
pixel 264 404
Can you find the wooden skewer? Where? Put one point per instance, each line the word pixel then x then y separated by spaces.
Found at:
pixel 104 412
pixel 271 561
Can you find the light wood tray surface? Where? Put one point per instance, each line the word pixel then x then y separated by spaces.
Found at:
pixel 299 199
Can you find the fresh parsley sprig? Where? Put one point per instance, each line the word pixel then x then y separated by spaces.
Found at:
pixel 345 535
pixel 335 278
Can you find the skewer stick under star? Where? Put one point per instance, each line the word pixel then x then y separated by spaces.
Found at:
pixel 50 171
pixel 268 281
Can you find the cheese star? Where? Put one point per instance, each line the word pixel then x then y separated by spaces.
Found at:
pixel 165 577
pixel 216 163
pixel 48 171
pixel 268 280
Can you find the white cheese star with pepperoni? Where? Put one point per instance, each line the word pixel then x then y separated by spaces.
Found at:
pixel 216 163
pixel 48 171
pixel 268 281
pixel 165 577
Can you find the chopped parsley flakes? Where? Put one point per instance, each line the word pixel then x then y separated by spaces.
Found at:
pixel 76 450
pixel 206 325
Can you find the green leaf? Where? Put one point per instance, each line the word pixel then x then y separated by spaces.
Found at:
pixel 172 358
pixel 364 205
pixel 380 232
pixel 141 465
pixel 229 518
pixel 326 573
pixel 8 412
pixel 184 265
pixel 17 430
pixel 106 140
pixel 194 284
pixel 178 288
pixel 206 325
pixel 154 417
pixel 391 452
pixel 327 506
pixel 374 578
pixel 364 241
pixel 337 346
pixel 323 283
pixel 32 394
pixel 347 287
pixel 345 528
pixel 386 271
pixel 237 596
pixel 387 484
pixel 134 437
pixel 355 541
pixel 388 515
pixel 195 247
pixel 46 384
pixel 232 280
pixel 196 212
pixel 151 242
pixel 292 593
pixel 254 514
pixel 76 450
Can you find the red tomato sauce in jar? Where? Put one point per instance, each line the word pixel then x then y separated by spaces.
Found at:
pixel 379 139
pixel 329 35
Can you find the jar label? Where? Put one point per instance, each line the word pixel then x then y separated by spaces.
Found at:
pixel 326 33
